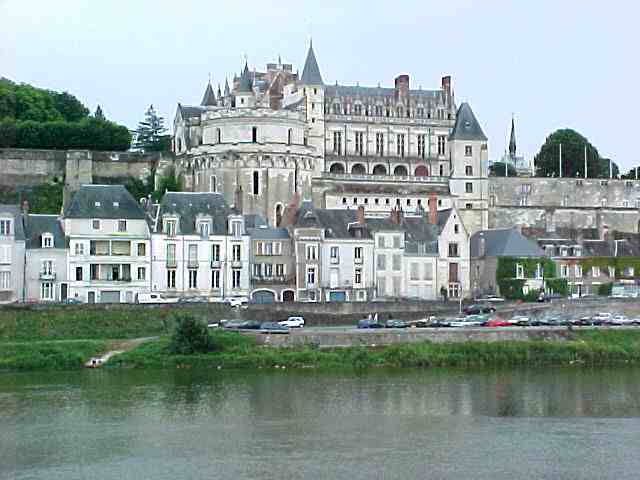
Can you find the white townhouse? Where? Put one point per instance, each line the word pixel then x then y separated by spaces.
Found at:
pixel 45 259
pixel 200 248
pixel 11 254
pixel 108 239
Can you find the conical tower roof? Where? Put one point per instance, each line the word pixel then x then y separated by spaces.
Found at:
pixel 467 126
pixel 512 140
pixel 209 98
pixel 246 85
pixel 311 72
pixel 227 91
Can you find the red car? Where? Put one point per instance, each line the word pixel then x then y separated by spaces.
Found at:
pixel 497 323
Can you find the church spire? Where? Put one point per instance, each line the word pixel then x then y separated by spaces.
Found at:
pixel 311 72
pixel 512 140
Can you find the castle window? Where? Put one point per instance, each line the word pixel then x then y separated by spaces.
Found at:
pixel 468 187
pixel 421 142
pixel 378 110
pixel 400 144
pixel 442 170
pixel 254 134
pixel 47 240
pixel 305 139
pixel 468 150
pixel 213 184
pixel 468 170
pixel 337 143
pixel 399 112
pixel 359 142
pixel 441 145
pixel 380 144
pixel 256 183
pixel 336 109
pixel 289 136
pixel 357 110
pixel 218 135
pixel 421 112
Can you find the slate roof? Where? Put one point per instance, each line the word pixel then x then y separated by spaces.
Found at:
pixel 209 98
pixel 253 220
pixel 188 111
pixel 104 201
pixel 189 206
pixel 245 85
pixel 562 233
pixel 357 90
pixel 37 225
pixel 504 243
pixel 268 233
pixel 311 72
pixel 335 223
pixel 467 126
pixel 15 212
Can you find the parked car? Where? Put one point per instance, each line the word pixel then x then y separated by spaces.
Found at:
pixel 154 298
pixel 490 298
pixel 192 300
pixel 468 321
pixel 394 323
pixel 621 320
pixel 293 322
pixel 273 327
pixel 582 321
pixel 519 320
pixel 369 323
pixel 236 301
pixel 478 309
pixel 601 318
pixel 243 325
pixel 71 301
pixel 496 322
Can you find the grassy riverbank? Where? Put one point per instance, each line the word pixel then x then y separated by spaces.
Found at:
pixel 48 355
pixel 591 348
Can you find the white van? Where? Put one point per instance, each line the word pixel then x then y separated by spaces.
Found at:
pixel 154 298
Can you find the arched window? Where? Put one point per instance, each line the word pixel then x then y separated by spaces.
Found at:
pixel 379 170
pixel 218 135
pixel 179 145
pixel 254 134
pixel 399 111
pixel 358 169
pixel 289 136
pixel 278 214
pixel 256 183
pixel 421 171
pixel 336 168
pixel 400 170
pixel 305 139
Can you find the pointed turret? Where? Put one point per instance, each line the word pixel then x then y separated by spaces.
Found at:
pixel 227 90
pixel 209 98
pixel 245 85
pixel 512 140
pixel 219 91
pixel 311 72
pixel 467 126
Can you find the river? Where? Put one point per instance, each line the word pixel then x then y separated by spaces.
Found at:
pixel 402 424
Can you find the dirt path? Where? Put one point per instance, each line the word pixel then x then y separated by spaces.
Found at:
pixel 117 347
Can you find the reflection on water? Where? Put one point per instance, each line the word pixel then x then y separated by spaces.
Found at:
pixel 384 424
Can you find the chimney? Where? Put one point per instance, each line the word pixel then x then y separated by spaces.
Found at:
pixel 433 209
pixel 238 200
pixel 446 84
pixel 396 216
pixel 360 215
pixel 402 86
pixel 289 216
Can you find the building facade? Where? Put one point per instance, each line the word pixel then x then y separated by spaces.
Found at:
pixel 12 247
pixel 109 245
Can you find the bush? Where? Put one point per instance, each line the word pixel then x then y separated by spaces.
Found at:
pixel 605 289
pixel 190 336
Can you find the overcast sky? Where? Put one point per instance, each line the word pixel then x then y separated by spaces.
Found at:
pixel 552 63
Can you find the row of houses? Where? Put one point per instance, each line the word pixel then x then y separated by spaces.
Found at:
pixel 108 248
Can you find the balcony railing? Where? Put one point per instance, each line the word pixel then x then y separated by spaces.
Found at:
pixel 335 260
pixel 358 260
pixel 383 178
pixel 192 263
pixel 236 264
pixel 172 263
pixel 215 263
pixel 275 279
pixel 47 275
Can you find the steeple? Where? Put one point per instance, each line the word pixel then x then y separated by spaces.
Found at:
pixel 246 85
pixel 227 91
pixel 209 98
pixel 512 140
pixel 311 72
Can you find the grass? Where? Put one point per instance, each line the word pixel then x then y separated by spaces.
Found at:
pixel 593 348
pixel 48 355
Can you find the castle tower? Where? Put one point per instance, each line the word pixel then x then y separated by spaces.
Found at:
pixel 209 98
pixel 245 97
pixel 468 182
pixel 313 88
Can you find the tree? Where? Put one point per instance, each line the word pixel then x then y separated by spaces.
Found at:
pixel 630 175
pixel 547 161
pixel 150 133
pixel 190 336
pixel 170 182
pixel 497 170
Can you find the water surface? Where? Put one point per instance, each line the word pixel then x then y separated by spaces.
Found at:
pixel 552 423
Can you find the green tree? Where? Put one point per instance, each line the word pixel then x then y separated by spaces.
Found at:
pixel 170 182
pixel 99 115
pixel 150 132
pixel 190 336
pixel 573 144
pixel 497 170
pixel 630 175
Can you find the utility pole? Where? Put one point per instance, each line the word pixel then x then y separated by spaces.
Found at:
pixel 560 160
pixel 585 160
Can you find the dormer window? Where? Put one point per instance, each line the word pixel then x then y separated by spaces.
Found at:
pixel 236 228
pixel 47 240
pixel 170 227
pixel 5 227
pixel 96 204
pixel 116 204
pixel 122 225
pixel 95 224
pixel 577 251
pixel 204 228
